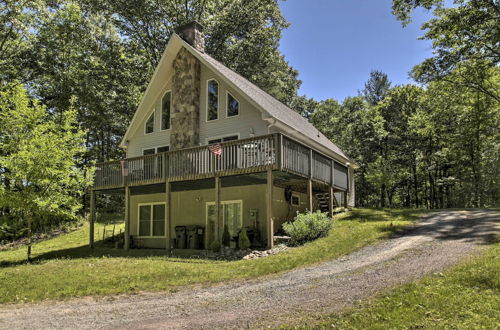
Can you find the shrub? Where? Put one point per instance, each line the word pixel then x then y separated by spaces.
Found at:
pixel 215 246
pixel 307 227
pixel 226 238
pixel 243 241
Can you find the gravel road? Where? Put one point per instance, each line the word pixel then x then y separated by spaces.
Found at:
pixel 438 241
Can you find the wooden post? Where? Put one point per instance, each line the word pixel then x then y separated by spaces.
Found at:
pixel 345 198
pixel 330 204
pixel 217 231
pixel 332 167
pixel 309 195
pixel 92 218
pixel 309 182
pixel 310 163
pixel 279 150
pixel 126 244
pixel 168 188
pixel 269 209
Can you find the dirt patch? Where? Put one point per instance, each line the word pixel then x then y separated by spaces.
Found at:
pixel 37 237
pixel 438 241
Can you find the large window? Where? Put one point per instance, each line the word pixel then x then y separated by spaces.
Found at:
pixel 222 139
pixel 150 124
pixel 155 150
pixel 231 213
pixel 233 106
pixel 166 103
pixel 212 100
pixel 152 219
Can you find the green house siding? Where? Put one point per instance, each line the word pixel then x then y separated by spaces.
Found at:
pixel 189 208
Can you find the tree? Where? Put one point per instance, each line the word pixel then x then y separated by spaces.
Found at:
pixel 403 9
pixel 376 88
pixel 304 106
pixel 242 34
pixel 458 127
pixel 16 19
pixel 79 57
pixel 40 153
pixel 357 129
pixel 464 36
pixel 397 146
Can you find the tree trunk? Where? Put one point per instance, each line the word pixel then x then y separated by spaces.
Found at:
pixel 415 182
pixel 382 195
pixel 29 218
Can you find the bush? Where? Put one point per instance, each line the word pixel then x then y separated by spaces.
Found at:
pixel 226 238
pixel 307 227
pixel 243 241
pixel 215 246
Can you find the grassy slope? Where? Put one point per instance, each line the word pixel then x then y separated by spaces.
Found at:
pixel 464 297
pixel 66 267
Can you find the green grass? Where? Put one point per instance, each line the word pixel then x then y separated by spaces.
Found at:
pixel 464 297
pixel 65 267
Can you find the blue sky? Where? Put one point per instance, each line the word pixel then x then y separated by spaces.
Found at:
pixel 334 44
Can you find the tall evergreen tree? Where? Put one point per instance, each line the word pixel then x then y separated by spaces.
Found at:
pixel 376 88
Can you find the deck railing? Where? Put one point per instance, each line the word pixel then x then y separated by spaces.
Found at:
pixel 250 155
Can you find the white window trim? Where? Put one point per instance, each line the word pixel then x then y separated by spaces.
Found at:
pixel 161 111
pixel 291 199
pixel 218 100
pixel 239 201
pixel 227 105
pixel 146 122
pixel 221 137
pixel 139 221
pixel 154 147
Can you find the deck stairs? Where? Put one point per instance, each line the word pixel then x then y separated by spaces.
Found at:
pixel 323 201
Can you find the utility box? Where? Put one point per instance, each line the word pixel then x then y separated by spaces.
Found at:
pixel 254 214
pixel 180 237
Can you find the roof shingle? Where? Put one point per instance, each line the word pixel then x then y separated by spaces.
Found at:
pixel 270 104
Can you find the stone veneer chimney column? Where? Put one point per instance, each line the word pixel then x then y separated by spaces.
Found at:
pixel 185 113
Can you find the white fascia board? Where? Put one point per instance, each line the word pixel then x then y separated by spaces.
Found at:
pixel 164 66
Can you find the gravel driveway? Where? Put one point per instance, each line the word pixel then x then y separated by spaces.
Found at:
pixel 438 241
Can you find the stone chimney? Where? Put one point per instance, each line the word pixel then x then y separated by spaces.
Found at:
pixel 192 33
pixel 185 112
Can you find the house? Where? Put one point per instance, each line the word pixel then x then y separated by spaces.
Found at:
pixel 206 148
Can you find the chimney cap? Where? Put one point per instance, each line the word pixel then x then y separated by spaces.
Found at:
pixel 192 33
pixel 191 25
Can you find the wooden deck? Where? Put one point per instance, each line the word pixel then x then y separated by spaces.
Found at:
pixel 252 155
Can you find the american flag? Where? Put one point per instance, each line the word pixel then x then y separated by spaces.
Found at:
pixel 124 167
pixel 216 149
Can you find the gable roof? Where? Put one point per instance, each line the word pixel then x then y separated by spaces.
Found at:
pixel 270 107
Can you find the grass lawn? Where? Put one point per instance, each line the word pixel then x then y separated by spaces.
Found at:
pixel 464 297
pixel 65 267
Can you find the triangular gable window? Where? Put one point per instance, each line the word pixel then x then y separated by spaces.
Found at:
pixel 150 124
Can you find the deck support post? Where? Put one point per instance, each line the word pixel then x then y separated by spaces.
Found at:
pixel 345 198
pixel 330 202
pixel 126 243
pixel 309 182
pixel 218 223
pixel 309 195
pixel 168 204
pixel 92 218
pixel 269 209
